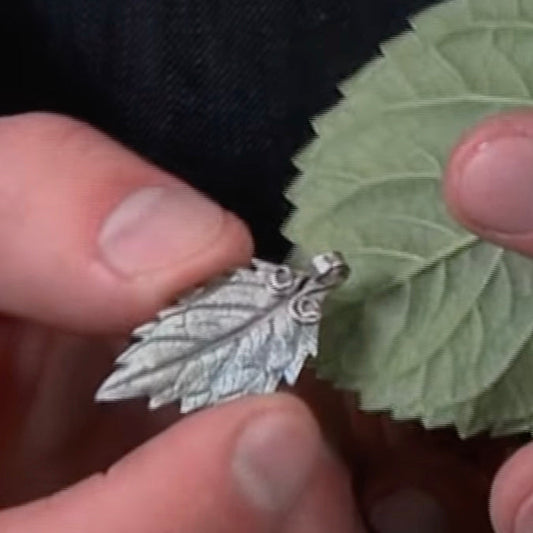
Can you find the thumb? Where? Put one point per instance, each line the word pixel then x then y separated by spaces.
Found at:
pixel 489 183
pixel 92 236
pixel 241 467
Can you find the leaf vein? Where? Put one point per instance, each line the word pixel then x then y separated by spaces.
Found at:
pixel 458 99
pixel 420 222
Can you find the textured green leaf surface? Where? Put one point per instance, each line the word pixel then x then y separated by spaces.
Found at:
pixel 434 323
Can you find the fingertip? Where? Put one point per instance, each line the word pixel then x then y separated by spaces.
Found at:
pixel 230 247
pixel 328 504
pixel 240 242
pixel 511 490
pixel 508 124
pixel 228 413
pixel 489 180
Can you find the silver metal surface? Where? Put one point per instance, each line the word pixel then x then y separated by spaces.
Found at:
pixel 241 334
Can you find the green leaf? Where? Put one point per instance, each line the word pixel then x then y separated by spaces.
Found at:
pixel 434 324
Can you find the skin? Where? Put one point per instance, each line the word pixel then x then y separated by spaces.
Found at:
pixel 69 465
pixel 65 313
pixel 506 143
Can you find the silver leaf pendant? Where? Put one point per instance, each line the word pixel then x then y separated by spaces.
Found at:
pixel 241 334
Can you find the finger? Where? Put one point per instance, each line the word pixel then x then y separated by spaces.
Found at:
pixel 92 236
pixel 511 502
pixel 489 182
pixel 322 509
pixel 242 467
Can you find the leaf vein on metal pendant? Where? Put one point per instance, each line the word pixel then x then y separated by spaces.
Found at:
pixel 227 340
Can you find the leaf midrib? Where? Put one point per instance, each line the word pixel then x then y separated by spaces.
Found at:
pixel 212 346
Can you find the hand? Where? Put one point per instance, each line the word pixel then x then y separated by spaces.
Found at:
pixel 95 240
pixel 489 188
pixel 409 479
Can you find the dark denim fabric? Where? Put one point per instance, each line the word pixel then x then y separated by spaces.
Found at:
pixel 219 92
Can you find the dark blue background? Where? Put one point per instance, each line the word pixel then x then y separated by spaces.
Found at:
pixel 218 91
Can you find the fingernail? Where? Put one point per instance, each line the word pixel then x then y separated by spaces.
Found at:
pixel 495 189
pixel 157 226
pixel 274 459
pixel 406 511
